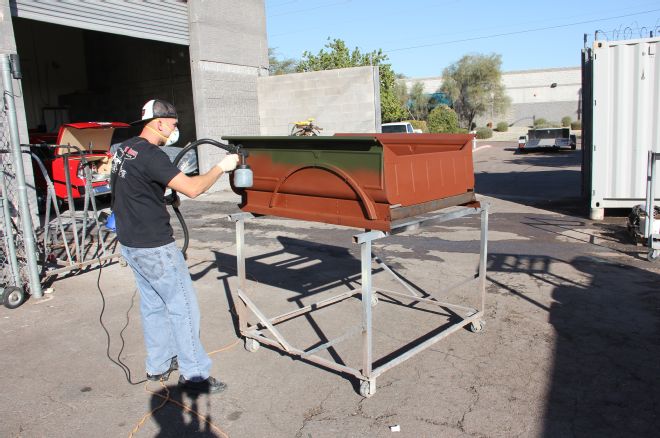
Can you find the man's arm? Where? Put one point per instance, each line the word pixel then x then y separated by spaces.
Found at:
pixel 193 186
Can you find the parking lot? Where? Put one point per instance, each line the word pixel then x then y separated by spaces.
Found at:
pixel 570 346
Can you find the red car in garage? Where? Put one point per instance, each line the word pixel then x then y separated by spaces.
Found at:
pixel 75 140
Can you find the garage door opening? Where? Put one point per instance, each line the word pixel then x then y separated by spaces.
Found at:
pixel 78 75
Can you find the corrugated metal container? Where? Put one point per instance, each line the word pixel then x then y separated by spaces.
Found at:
pixel 626 121
pixel 357 180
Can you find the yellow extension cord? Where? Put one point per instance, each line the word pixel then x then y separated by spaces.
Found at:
pixel 166 398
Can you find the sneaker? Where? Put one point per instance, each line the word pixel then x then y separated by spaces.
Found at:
pixel 174 365
pixel 206 386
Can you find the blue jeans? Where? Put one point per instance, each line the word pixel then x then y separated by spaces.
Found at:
pixel 170 313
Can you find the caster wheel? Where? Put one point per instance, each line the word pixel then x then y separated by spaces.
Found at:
pixel 13 297
pixel 653 255
pixel 374 300
pixel 367 388
pixel 476 326
pixel 122 262
pixel 252 345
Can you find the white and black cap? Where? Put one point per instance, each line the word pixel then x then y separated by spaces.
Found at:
pixel 156 109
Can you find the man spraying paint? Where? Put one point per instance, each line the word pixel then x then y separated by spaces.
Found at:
pixel 170 314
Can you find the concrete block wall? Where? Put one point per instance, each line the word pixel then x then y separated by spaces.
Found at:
pixel 228 53
pixel 342 100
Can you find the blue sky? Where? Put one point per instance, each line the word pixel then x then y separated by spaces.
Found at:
pixel 422 37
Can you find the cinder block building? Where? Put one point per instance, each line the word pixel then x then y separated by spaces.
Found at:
pixel 100 61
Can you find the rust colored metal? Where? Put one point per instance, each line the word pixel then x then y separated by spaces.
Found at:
pixel 357 180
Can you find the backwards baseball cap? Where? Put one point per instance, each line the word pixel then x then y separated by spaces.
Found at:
pixel 155 109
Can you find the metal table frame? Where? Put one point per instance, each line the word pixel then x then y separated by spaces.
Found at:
pixel 256 334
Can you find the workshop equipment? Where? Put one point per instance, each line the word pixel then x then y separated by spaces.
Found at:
pixel 358 180
pixel 265 331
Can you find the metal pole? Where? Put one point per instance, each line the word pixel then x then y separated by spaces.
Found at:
pixel 483 255
pixel 239 305
pixel 648 229
pixel 72 206
pixel 365 256
pixel 9 233
pixel 24 205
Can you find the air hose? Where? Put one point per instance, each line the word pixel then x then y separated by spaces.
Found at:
pixel 173 198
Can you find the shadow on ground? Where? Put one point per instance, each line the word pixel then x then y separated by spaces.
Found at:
pixel 604 380
pixel 558 189
pixel 175 421
pixel 310 269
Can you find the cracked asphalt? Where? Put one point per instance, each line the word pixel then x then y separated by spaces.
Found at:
pixel 571 345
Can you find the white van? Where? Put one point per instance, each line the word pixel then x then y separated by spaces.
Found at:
pixel 398 127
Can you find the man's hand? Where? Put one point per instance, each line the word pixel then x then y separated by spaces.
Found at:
pixel 228 163
pixel 193 186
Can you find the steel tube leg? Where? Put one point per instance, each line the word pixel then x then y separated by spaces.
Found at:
pixel 649 198
pixel 72 207
pixel 21 186
pixel 367 360
pixel 483 255
pixel 239 305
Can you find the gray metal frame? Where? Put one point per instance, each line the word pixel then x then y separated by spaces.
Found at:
pixel 8 71
pixel 653 240
pixel 256 334
pixel 80 257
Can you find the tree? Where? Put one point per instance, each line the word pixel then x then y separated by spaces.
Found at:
pixel 340 56
pixel 277 66
pixel 401 92
pixel 418 102
pixel 474 85
pixel 442 119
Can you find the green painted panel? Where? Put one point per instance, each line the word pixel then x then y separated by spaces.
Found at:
pixel 348 153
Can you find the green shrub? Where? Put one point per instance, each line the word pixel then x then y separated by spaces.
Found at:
pixel 419 124
pixel 576 125
pixel 540 123
pixel 462 131
pixel 566 121
pixel 483 133
pixel 502 127
pixel 442 119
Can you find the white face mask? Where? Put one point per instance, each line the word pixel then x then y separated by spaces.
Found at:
pixel 173 138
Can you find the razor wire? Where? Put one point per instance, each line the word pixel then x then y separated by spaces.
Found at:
pixel 623 32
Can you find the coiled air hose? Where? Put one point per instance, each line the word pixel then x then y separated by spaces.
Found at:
pixel 174 200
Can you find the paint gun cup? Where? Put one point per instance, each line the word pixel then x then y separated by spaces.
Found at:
pixel 243 172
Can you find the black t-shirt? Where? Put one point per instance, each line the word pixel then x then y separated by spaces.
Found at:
pixel 141 172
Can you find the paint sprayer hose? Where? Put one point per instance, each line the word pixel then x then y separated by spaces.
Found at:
pixel 173 199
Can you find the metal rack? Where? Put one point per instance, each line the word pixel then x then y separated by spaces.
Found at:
pixel 266 332
pixel 653 239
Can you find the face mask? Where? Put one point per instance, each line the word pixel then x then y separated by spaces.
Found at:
pixel 173 137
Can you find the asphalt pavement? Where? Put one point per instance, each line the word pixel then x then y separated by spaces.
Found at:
pixel 571 344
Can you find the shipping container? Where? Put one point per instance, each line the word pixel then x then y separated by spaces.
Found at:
pixel 621 121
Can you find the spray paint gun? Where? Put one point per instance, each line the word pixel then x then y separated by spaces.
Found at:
pixel 243 172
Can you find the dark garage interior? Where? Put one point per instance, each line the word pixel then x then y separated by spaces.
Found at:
pixel 77 75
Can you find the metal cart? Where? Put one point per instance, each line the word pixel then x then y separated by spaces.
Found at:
pixel 265 331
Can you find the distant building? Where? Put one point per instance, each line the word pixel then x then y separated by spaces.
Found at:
pixel 547 93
